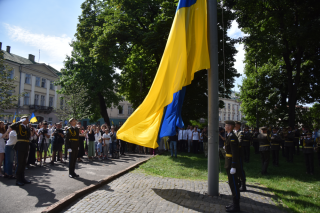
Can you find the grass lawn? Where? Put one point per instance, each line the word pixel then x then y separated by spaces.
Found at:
pixel 299 191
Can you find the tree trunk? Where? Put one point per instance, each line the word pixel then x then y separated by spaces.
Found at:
pixel 103 109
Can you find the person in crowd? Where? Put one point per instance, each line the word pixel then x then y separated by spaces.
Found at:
pixel 246 139
pixel 72 141
pixel 97 137
pixel 173 144
pixel 195 140
pixel 57 142
pixel 185 140
pixel 308 146
pixel 264 148
pixel 200 144
pixel 296 140
pixel 113 148
pixel 242 173
pixel 255 142
pixel 275 146
pixel 9 153
pixel 22 148
pixel 283 132
pixel 180 138
pixel 43 142
pixel 82 137
pixel 91 146
pixel 190 138
pixel 222 139
pixel 205 141
pixel 99 149
pixel 33 146
pixel 231 165
pixel 289 144
pixel 4 134
pixel 106 143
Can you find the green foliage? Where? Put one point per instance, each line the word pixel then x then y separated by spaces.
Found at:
pixel 282 39
pixel 7 86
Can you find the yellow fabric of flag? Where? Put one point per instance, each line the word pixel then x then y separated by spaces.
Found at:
pixel 186 52
pixel 33 118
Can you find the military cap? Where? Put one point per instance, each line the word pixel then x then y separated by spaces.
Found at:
pixel 276 128
pixel 246 127
pixel 71 119
pixel 237 122
pixel 24 117
pixel 44 123
pixel 230 122
pixel 112 127
pixel 58 123
pixel 264 128
pixel 309 133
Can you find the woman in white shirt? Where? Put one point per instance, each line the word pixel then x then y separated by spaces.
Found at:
pixel 97 137
pixel 9 150
pixel 3 134
pixel 195 140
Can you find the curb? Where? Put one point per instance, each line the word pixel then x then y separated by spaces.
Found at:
pixel 56 207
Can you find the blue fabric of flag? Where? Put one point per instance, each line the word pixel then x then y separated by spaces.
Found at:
pixel 172 117
pixel 185 3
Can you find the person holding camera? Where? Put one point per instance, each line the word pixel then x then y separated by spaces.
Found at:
pixel 72 142
pixel 43 142
pixel 33 147
pixel 57 142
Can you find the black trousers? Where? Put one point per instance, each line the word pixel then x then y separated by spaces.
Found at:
pixel 233 184
pixel 309 162
pixel 65 151
pixel 246 153
pixel 275 157
pixel 122 146
pixel 296 144
pixel 22 149
pixel 256 147
pixel 195 146
pixel 282 148
pixel 242 173
pixel 289 153
pixel 74 146
pixel 265 157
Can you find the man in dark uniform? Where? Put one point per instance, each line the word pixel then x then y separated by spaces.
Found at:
pixel 275 146
pixel 282 133
pixel 255 142
pixel 288 144
pixel 57 142
pixel 242 173
pixel 246 139
pixel 232 165
pixel 264 148
pixel 72 142
pixel 22 148
pixel 308 144
pixel 296 139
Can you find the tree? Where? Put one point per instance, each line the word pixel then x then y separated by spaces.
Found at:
pixel 133 34
pixel 7 99
pixel 282 34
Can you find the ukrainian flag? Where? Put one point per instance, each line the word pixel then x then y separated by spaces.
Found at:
pixel 33 118
pixel 14 118
pixel 186 52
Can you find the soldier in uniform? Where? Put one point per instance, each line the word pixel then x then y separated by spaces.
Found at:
pixel 242 174
pixel 22 148
pixel 275 145
pixel 282 133
pixel 296 139
pixel 255 142
pixel 308 144
pixel 264 148
pixel 288 144
pixel 246 139
pixel 72 142
pixel 232 165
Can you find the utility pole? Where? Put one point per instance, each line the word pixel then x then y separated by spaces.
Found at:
pixel 213 101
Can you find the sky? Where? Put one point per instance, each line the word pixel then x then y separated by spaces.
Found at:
pixel 50 25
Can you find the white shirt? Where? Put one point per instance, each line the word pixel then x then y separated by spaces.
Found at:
pixel 12 138
pixel 195 136
pixel 180 135
pixel 106 136
pixel 41 136
pixel 190 134
pixel 97 136
pixel 184 134
pixel 1 139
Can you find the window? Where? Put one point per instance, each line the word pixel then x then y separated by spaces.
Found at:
pixel 38 81
pixel 11 75
pixel 130 110
pixel 219 118
pixel 120 110
pixel 42 102
pixel 28 79
pixel 237 117
pixel 50 121
pixel 224 117
pixel 229 106
pixel 43 83
pixel 61 103
pixel 50 101
pixel 228 116
pixel 26 98
pixel 36 99
pixel 51 85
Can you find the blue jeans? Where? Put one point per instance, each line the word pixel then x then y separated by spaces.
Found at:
pixel 173 145
pixel 99 148
pixel 9 151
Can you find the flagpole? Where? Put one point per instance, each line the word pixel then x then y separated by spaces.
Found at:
pixel 213 101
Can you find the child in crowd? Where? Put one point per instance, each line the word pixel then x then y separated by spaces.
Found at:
pixel 106 142
pixel 99 149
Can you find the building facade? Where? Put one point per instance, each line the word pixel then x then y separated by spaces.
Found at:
pixel 231 110
pixel 36 81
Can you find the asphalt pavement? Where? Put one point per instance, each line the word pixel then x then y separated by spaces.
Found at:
pixel 52 183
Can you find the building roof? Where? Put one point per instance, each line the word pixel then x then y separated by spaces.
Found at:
pixel 21 60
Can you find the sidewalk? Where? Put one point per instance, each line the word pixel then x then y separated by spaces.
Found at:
pixel 135 192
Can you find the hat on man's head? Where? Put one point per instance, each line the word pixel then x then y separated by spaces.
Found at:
pixel 264 128
pixel 24 117
pixel 71 119
pixel 230 122
pixel 58 123
pixel 309 133
pixel 112 127
pixel 288 127
pixel 44 123
pixel 237 122
pixel 246 127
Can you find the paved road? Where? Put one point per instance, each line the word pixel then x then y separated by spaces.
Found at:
pixel 51 183
pixel 134 192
